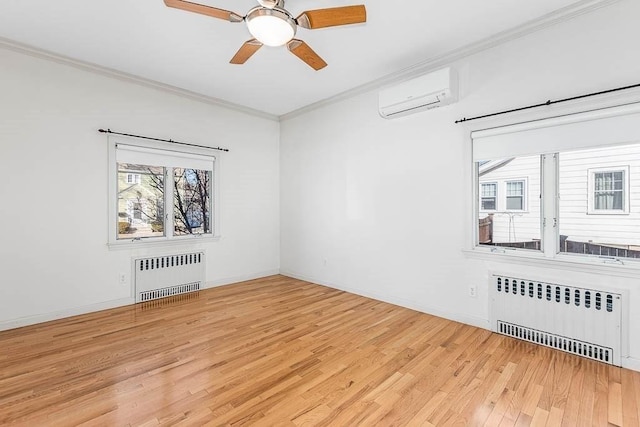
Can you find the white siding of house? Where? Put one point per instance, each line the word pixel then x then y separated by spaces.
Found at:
pixel 516 226
pixel 575 220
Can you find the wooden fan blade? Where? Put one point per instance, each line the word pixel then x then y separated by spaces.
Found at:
pixel 246 51
pixel 204 10
pixel 332 17
pixel 304 52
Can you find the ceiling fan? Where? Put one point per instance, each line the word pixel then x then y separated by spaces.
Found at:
pixel 272 25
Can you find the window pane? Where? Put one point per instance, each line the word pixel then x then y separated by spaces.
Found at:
pixel 596 209
pixel 488 190
pixel 514 203
pixel 515 188
pixel 192 201
pixel 140 201
pixel 503 227
pixel 488 204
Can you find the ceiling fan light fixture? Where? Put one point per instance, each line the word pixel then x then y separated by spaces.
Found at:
pixel 271 27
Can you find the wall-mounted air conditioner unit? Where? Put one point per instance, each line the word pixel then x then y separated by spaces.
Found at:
pixel 418 94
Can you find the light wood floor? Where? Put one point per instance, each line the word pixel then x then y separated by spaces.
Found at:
pixel 279 351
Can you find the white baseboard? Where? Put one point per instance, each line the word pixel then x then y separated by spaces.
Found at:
pixel 241 278
pixel 55 315
pixel 631 363
pixel 456 317
pixel 75 311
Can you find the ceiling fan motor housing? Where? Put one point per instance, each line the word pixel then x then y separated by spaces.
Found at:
pixel 271 3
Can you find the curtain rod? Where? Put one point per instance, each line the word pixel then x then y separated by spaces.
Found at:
pixel 549 102
pixel 163 140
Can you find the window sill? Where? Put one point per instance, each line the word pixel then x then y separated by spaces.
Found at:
pixel 619 213
pixel 607 266
pixel 143 244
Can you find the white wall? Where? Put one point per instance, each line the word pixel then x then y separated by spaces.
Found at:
pixel 54 259
pixel 383 208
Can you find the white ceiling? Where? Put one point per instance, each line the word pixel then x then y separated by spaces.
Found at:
pixel 192 52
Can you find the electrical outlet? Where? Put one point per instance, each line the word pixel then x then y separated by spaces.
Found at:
pixel 324 262
pixel 473 291
pixel 122 278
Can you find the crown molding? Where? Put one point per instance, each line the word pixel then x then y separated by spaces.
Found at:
pixel 565 14
pixel 130 78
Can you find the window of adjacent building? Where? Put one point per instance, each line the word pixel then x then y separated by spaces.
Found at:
pixel 515 195
pixel 488 196
pixel 568 185
pixel 608 192
pixel 173 195
pixel 133 178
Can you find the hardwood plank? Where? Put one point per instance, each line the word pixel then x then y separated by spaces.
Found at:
pixel 555 417
pixel 631 402
pixel 283 352
pixel 615 404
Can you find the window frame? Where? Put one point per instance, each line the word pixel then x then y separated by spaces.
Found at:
pixel 591 210
pixel 621 114
pixel 113 242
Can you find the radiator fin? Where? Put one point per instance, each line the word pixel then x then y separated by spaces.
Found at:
pixel 557 293
pixel 580 320
pixel 168 292
pixel 165 276
pixel 569 345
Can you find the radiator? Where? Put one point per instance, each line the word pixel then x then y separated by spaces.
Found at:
pixel 164 276
pixel 586 322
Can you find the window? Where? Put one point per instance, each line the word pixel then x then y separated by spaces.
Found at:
pixel 160 194
pixel 608 191
pixel 133 178
pixel 515 195
pixel 489 194
pixel 568 185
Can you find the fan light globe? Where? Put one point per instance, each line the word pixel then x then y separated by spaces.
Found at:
pixel 271 27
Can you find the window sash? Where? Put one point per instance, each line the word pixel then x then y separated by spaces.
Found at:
pixel 489 198
pixel 609 191
pixel 515 195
